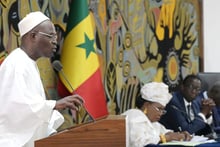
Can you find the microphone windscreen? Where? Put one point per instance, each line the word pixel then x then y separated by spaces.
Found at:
pixel 174 107
pixel 57 65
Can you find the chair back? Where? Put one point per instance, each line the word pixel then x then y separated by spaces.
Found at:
pixel 208 79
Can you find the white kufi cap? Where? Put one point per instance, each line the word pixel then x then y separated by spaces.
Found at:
pixel 30 21
pixel 156 92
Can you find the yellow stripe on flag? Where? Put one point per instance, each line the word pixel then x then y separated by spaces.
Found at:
pixel 76 65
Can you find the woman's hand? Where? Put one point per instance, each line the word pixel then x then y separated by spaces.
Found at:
pixel 188 137
pixel 178 136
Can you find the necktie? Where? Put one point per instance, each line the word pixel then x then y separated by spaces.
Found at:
pixel 190 112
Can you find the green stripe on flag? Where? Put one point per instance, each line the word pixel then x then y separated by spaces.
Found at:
pixel 78 11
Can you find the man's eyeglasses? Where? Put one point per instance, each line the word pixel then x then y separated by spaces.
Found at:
pixel 162 111
pixel 191 87
pixel 50 36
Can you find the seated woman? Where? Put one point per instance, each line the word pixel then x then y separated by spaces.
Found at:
pixel 144 127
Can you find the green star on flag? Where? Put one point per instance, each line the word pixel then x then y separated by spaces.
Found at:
pixel 88 45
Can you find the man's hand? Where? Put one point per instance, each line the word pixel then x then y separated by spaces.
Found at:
pixel 207 106
pixel 72 102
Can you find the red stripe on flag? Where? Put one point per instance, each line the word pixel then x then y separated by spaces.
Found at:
pixel 93 93
pixel 62 90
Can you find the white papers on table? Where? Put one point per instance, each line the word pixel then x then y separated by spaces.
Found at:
pixel 196 140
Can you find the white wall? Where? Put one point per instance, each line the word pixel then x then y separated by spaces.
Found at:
pixel 211 25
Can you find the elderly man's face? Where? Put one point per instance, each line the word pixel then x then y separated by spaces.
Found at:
pixel 46 39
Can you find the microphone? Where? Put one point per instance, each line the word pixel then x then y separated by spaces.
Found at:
pixel 175 107
pixel 59 68
pixel 57 65
pixel 213 133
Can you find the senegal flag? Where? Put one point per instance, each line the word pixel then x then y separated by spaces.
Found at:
pixel 80 61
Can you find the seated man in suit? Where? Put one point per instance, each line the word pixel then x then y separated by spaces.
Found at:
pixel 188 110
pixel 214 93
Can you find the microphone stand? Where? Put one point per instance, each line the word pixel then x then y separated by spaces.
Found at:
pixel 58 67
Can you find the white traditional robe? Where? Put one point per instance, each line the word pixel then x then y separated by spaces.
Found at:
pixel 25 114
pixel 141 130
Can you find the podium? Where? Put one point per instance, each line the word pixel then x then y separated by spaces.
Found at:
pixel 109 132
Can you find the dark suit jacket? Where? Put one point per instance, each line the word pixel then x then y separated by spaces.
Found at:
pixel 178 119
pixel 216 119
